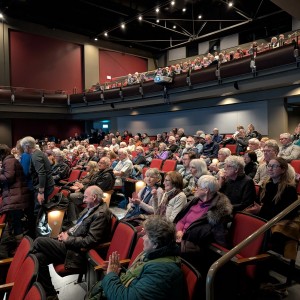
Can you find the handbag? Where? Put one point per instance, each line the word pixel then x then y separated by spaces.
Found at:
pixel 253 209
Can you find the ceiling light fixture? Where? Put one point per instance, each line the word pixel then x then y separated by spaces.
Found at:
pixel 140 18
pixel 96 39
pixel 157 21
pixel 200 17
pixel 173 3
pixel 230 3
pixel 174 26
pixel 1 16
pixel 157 9
pixel 105 33
pixel 122 25
pixel 184 9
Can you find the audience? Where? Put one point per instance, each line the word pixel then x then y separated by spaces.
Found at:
pixel 288 150
pixel 250 159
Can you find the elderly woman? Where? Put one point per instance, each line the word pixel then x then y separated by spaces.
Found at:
pixel 203 220
pixel 223 153
pixel 140 157
pixel 235 184
pixel 131 145
pixel 198 167
pixel 173 199
pixel 155 273
pixel 16 197
pixel 162 152
pixel 142 203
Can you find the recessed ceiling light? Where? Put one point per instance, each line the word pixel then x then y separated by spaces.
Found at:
pixel 105 34
pixel 157 9
pixel 174 26
pixel 140 18
pixel 1 16
pixel 200 17
pixel 95 39
pixel 122 25
pixel 173 3
pixel 184 9
pixel 157 21
pixel 230 3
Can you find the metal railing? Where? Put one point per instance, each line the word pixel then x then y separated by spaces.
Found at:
pixel 225 258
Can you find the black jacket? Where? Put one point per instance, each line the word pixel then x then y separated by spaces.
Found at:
pixel 211 226
pixel 105 179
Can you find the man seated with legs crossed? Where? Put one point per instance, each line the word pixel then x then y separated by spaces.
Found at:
pixel 92 228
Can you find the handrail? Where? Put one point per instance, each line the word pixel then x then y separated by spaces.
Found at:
pixel 225 258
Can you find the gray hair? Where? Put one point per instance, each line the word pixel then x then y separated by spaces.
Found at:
pixel 200 166
pixel 123 151
pixel 140 148
pixel 225 151
pixel 254 141
pixel 154 172
pixel 210 182
pixel 28 141
pixel 106 160
pixel 164 145
pixel 237 162
pixel 272 144
pixel 161 232
pixel 286 135
pixel 97 191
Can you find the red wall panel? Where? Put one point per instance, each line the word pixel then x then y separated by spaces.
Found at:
pixel 38 128
pixel 118 64
pixel 44 63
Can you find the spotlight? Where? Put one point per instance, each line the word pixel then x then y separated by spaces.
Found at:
pixel 230 3
pixel 157 9
pixel 157 21
pixel 200 17
pixel 95 39
pixel 112 105
pixel 188 81
pixel 173 3
pixel 174 26
pixel 84 98
pixel 184 9
pixel 236 85
pixel 121 93
pixel 12 97
pixel 141 91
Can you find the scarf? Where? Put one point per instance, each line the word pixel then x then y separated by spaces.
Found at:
pixel 166 199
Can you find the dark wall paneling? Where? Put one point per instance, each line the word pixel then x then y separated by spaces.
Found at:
pixel 117 64
pixel 39 128
pixel 44 63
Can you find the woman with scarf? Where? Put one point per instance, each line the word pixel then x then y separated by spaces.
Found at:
pixel 173 200
pixel 155 273
pixel 203 220
pixel 141 205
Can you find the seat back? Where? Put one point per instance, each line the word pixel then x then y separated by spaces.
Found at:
pixel 22 251
pixel 74 175
pixel 113 224
pixel 123 240
pixel 36 292
pixel 169 165
pixel 83 174
pixel 24 278
pixel 296 165
pixel 156 163
pixel 138 248
pixel 243 226
pixel 232 148
pixel 55 192
pixel 192 278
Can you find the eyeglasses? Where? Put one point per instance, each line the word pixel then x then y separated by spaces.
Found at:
pixel 273 166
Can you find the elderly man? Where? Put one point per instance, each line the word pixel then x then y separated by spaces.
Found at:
pixel 216 137
pixel 210 149
pixel 270 151
pixel 40 170
pixel 123 168
pixel 199 140
pixel 288 151
pixel 237 186
pixel 254 146
pixel 60 170
pixel 91 228
pixel 172 147
pixel 189 147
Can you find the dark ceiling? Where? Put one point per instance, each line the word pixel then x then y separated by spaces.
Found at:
pixel 92 18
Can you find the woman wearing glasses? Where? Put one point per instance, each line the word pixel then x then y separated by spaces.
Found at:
pixel 278 190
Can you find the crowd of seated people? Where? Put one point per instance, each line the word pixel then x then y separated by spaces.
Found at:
pixel 202 61
pixel 189 195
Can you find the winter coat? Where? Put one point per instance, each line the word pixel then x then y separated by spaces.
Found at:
pixel 157 280
pixel 212 225
pixel 105 179
pixel 93 230
pixel 15 193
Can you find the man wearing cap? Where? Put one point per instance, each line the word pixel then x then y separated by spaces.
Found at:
pixel 60 170
pixel 216 137
pixel 199 140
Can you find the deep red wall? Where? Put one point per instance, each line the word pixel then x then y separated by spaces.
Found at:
pixel 44 63
pixel 38 128
pixel 118 64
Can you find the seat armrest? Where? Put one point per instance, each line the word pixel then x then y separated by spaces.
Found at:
pixel 251 260
pixel 102 246
pixel 122 262
pixel 6 261
pixel 6 287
